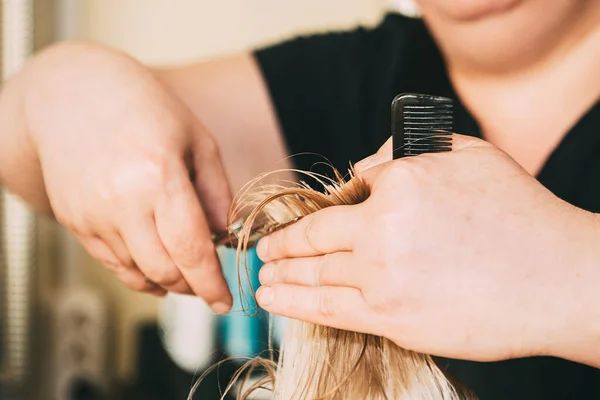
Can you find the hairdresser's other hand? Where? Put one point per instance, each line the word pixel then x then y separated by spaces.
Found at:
pixel 130 172
pixel 461 254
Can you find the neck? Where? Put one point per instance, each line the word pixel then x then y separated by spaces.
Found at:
pixel 526 97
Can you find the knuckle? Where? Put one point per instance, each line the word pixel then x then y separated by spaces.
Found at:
pixel 83 223
pixel 210 147
pixel 381 241
pixel 165 276
pixel 80 230
pixel 321 267
pixel 79 227
pixel 134 280
pixel 281 268
pixel 111 265
pixel 380 298
pixel 157 165
pixel 309 232
pixel 140 177
pixel 87 217
pixel 128 262
pixel 191 254
pixel 276 243
pixel 376 303
pixel 138 285
pixel 64 220
pixel 400 173
pixel 387 260
pixel 325 305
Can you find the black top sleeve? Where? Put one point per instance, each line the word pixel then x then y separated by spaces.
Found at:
pixel 332 92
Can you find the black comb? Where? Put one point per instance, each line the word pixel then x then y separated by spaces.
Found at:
pixel 421 123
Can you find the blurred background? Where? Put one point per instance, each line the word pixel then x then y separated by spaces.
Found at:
pixel 69 329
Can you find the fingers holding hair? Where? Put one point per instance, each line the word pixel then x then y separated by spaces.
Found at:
pixel 337 307
pixel 326 231
pixel 334 269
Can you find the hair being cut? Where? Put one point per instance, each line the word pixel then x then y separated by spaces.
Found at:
pixel 318 362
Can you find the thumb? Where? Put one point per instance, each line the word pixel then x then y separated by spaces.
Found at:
pixel 370 175
pixel 383 155
pixel 463 142
pixel 369 168
pixel 210 179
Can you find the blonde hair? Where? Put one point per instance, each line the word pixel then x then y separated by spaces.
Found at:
pixel 317 362
pixel 321 363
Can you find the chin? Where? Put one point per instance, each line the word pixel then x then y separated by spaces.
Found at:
pixel 468 9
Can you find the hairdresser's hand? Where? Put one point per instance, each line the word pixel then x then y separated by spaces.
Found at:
pixel 461 254
pixel 130 172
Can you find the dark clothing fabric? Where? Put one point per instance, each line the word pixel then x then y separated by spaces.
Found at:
pixel 332 93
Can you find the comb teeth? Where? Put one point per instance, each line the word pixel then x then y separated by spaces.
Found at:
pixel 421 124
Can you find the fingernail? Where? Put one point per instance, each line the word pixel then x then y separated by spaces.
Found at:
pixel 220 308
pixel 261 248
pixel 265 295
pixel 266 274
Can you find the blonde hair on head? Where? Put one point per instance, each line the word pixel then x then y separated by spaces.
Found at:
pixel 321 363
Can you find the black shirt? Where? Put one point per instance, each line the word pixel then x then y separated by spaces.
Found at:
pixel 332 93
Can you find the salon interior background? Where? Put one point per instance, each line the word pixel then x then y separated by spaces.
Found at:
pixel 158 32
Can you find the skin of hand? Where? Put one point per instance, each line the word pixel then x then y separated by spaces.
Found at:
pixel 130 171
pixel 460 254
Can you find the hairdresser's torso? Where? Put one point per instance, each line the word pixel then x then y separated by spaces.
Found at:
pixel 332 94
